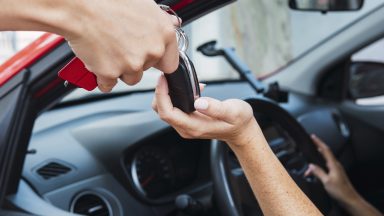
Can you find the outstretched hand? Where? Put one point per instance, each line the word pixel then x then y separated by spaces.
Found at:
pixel 229 120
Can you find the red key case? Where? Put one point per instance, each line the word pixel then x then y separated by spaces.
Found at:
pixel 77 74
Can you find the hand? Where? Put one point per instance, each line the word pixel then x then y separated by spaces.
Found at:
pixel 115 39
pixel 229 121
pixel 337 184
pixel 232 121
pixel 336 181
pixel 123 38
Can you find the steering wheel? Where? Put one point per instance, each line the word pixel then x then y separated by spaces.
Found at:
pixel 232 191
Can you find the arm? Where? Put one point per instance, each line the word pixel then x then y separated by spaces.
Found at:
pixel 337 184
pixel 274 189
pixel 232 121
pixel 115 39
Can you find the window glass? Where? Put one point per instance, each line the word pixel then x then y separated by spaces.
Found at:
pixel 371 53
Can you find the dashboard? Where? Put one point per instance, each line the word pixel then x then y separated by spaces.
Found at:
pixel 119 157
pixel 167 165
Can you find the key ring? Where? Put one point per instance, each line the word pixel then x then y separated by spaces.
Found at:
pixel 166 8
pixel 182 38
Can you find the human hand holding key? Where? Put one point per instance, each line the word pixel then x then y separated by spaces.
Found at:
pixel 114 51
pixel 183 83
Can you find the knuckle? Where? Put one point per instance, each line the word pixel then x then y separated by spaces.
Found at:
pixel 327 181
pixel 169 31
pixel 112 75
pixel 238 115
pixel 135 65
pixel 156 52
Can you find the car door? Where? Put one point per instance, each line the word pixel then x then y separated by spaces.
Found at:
pixel 29 85
pixel 364 111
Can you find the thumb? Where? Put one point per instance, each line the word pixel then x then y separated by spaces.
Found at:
pixel 318 172
pixel 214 108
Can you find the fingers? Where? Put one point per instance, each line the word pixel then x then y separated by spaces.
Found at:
pixel 131 78
pixel 169 62
pixel 212 108
pixel 229 111
pixel 170 59
pixel 154 101
pixel 324 150
pixel 164 105
pixel 105 84
pixel 176 21
pixel 317 171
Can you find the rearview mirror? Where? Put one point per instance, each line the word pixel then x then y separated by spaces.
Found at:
pixel 366 79
pixel 326 5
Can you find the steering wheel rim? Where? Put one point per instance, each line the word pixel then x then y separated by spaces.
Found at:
pixel 223 190
pixel 220 174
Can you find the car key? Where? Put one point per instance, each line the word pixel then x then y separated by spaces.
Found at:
pixel 77 74
pixel 183 84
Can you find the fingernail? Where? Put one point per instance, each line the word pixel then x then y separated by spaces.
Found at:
pixel 201 104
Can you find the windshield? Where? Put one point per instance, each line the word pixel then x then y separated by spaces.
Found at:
pixel 267 35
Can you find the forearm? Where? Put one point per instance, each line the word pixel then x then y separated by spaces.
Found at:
pixel 38 15
pixel 274 189
pixel 357 205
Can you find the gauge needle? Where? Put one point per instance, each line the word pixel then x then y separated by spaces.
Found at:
pixel 147 180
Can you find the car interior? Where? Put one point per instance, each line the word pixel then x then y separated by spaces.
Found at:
pixel 111 155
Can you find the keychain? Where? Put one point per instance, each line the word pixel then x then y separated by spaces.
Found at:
pixel 183 83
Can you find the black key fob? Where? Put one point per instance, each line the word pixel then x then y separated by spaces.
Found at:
pixel 183 85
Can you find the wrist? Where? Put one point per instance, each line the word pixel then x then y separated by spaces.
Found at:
pixel 352 200
pixel 249 134
pixel 65 19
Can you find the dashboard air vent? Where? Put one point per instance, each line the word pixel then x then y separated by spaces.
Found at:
pixel 52 169
pixel 91 205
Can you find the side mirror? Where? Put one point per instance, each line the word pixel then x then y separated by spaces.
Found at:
pixel 326 5
pixel 366 79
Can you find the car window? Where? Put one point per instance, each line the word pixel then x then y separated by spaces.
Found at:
pixel 372 53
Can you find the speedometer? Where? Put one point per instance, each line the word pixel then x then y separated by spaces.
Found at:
pixel 152 172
